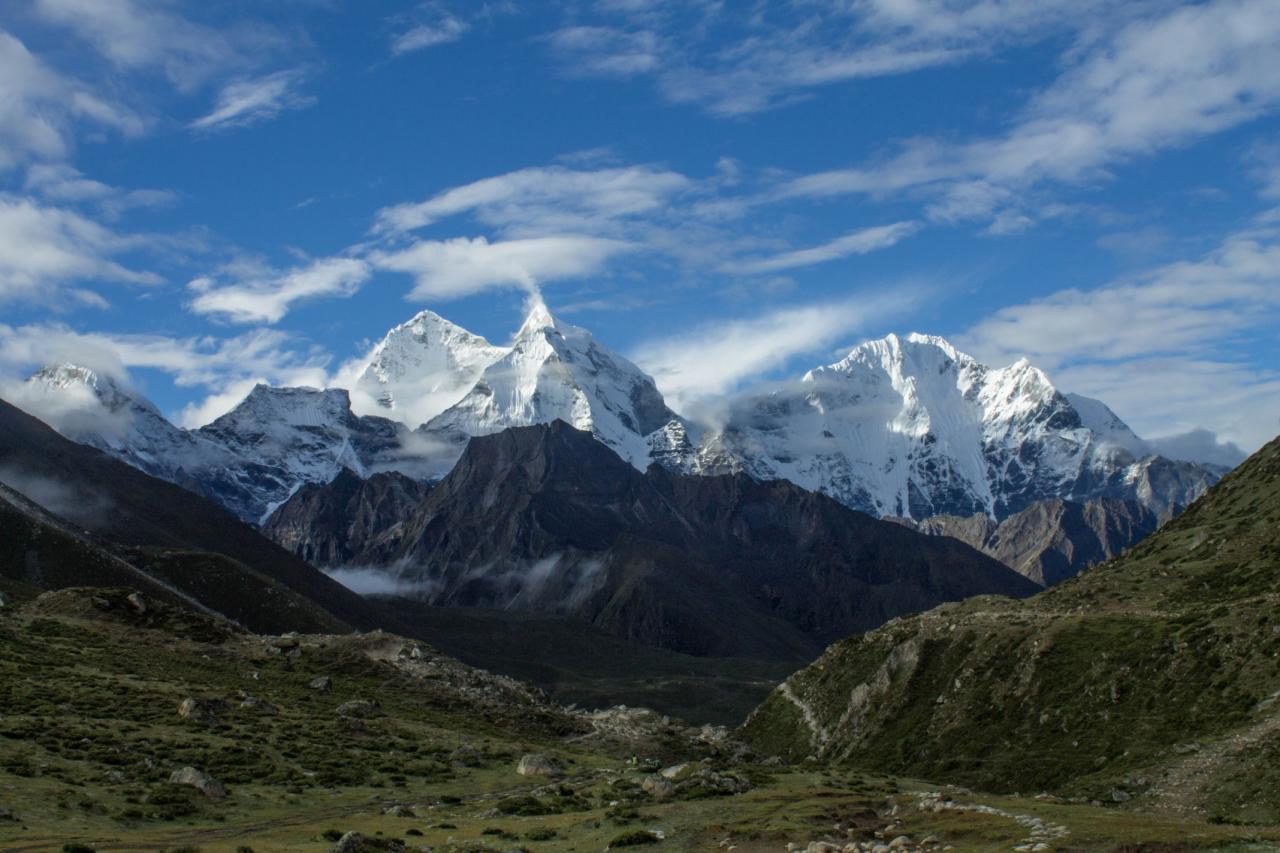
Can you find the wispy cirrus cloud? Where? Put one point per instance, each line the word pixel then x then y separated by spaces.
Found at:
pixel 711 54
pixel 697 367
pixel 544 199
pixel 141 35
pixel 856 243
pixel 444 30
pixel 449 269
pixel 46 251
pixel 255 293
pixel 252 101
pixel 1158 82
pixel 1158 345
pixel 40 108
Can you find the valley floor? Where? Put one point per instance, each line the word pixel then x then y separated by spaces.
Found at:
pixel 405 745
pixel 797 807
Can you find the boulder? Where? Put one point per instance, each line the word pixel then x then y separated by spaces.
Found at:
pixel 358 708
pixel 658 787
pixel 675 771
pixel 261 706
pixel 200 710
pixel 398 811
pixel 355 842
pixel 324 684
pixel 137 602
pixel 200 780
pixel 537 764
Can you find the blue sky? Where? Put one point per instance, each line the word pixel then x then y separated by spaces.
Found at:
pixel 199 196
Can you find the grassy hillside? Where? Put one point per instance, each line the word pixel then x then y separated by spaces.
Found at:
pixel 1151 681
pixel 581 664
pixel 91 686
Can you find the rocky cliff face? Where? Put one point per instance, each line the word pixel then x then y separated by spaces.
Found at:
pixel 1051 540
pixel 549 519
pixel 1149 679
pixel 327 524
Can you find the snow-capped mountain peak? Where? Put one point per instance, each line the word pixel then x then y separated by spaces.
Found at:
pixel 538 319
pixel 903 426
pixel 420 368
pixel 912 426
pixel 555 370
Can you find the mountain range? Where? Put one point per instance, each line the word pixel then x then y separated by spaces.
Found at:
pixel 546 518
pixel 903 426
pixel 1149 681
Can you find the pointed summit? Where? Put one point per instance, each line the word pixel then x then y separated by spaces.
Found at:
pixel 420 368
pixel 538 318
pixel 558 371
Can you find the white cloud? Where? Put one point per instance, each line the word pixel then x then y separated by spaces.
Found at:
pixel 857 243
pixel 710 53
pixel 1199 445
pixel 142 34
pixel 544 199
pixel 716 358
pixel 446 29
pixel 265 295
pixel 607 51
pixel 39 107
pixel 253 101
pixel 1169 349
pixel 43 249
pixel 223 366
pixel 64 184
pixel 1154 83
pixel 450 269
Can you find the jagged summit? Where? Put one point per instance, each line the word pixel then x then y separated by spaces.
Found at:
pixel 912 426
pixel 538 318
pixel 421 367
pixel 901 426
pixel 554 370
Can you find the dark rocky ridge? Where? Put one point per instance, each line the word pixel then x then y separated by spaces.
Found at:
pixel 546 518
pixel 326 524
pixel 177 537
pixel 1050 540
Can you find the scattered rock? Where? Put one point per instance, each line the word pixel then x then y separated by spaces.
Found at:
pixel 399 811
pixel 324 684
pixel 7 814
pixel 261 706
pixel 537 764
pixel 200 780
pixel 358 708
pixel 674 771
pixel 115 777
pixel 900 842
pixel 822 847
pixel 355 842
pixel 4 599
pixel 287 643
pixel 201 710
pixel 465 756
pixel 1118 796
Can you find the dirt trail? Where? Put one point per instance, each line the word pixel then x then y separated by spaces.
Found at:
pixel 1180 789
